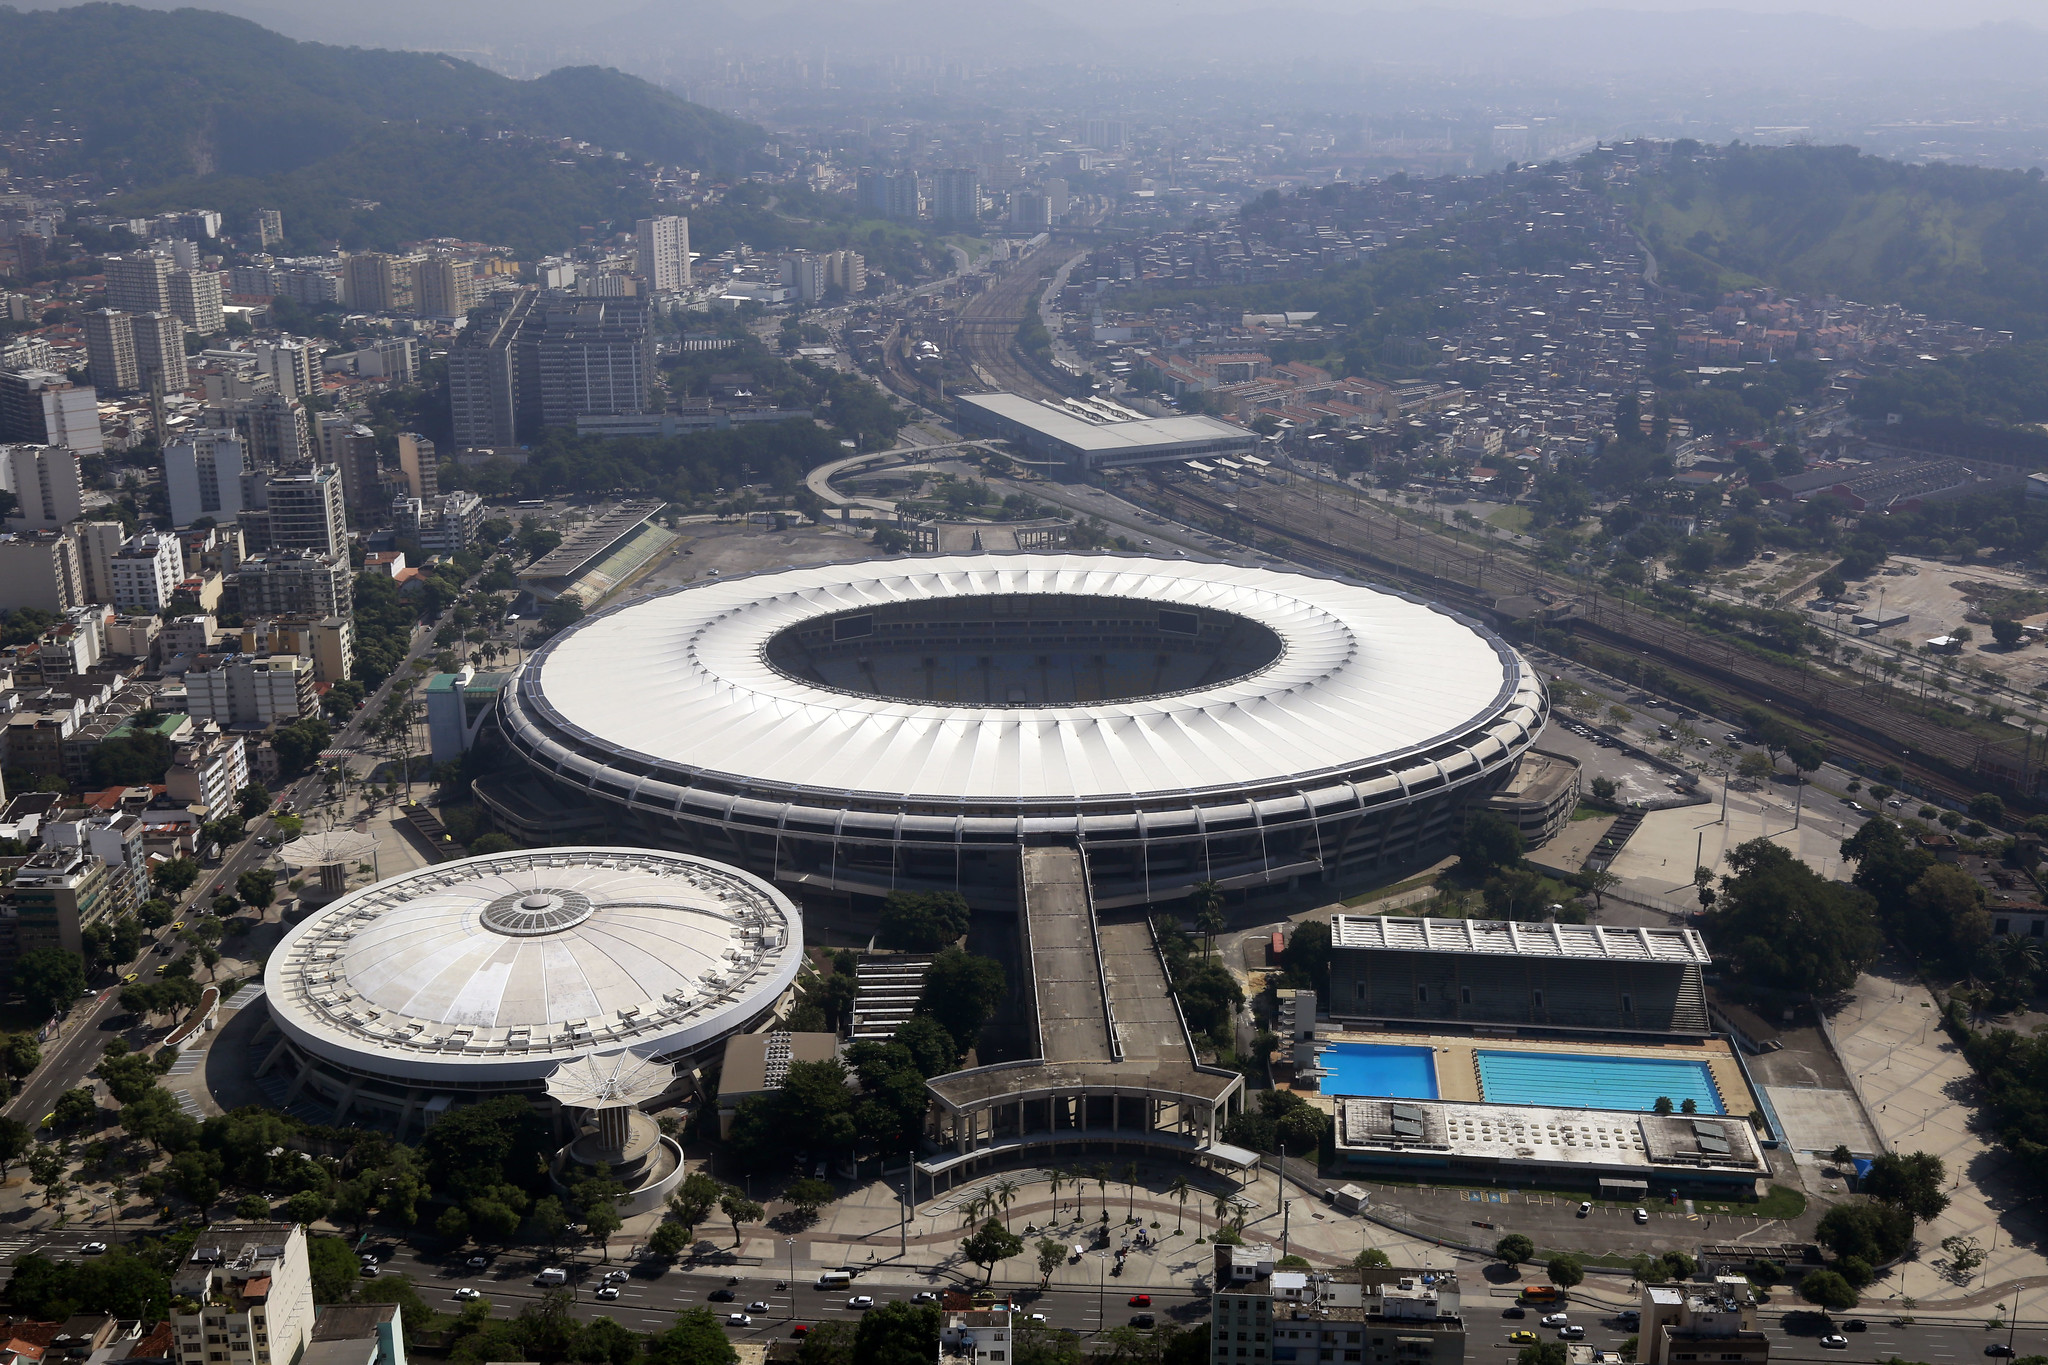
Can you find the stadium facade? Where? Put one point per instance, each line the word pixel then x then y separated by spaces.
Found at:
pixel 913 723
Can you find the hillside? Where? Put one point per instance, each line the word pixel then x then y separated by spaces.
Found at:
pixel 1951 241
pixel 163 96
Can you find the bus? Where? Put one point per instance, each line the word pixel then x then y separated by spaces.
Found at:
pixel 1542 1293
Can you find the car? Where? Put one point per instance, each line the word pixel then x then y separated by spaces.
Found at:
pixel 738 1320
pixel 758 1306
pixel 1144 1320
pixel 1037 1318
pixel 1555 1319
pixel 608 1291
pixel 1855 1325
pixel 129 978
pixel 1835 1341
pixel 1998 1348
pixel 371 1270
pixel 93 1249
pixel 799 1329
pixel 1522 1338
pixel 1851 804
pixel 160 967
pixel 924 1296
pixel 1585 1207
pixel 1571 1331
pixel 176 925
pixel 469 1294
pixel 861 1301
pixel 721 1296
pixel 477 1263
pixel 1514 1310
pixel 1642 1215
pixel 614 1276
pixel 1141 1301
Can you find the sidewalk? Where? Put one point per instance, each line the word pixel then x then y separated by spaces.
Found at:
pixel 1923 1097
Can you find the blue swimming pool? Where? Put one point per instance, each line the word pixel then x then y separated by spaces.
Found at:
pixel 1571 1080
pixel 1407 1073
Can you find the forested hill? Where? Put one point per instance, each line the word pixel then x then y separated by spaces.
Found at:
pixel 161 96
pixel 1951 241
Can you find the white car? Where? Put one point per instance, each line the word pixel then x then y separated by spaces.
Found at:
pixel 1585 1207
pixel 758 1306
pixel 861 1301
pixel 609 1291
pixel 1571 1332
pixel 93 1249
pixel 924 1296
pixel 1642 1215
pixel 614 1276
pixel 1555 1319
pixel 738 1320
pixel 467 1294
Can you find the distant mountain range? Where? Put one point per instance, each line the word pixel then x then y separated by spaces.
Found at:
pixel 162 96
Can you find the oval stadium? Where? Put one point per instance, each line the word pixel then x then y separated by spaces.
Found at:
pixel 483 976
pixel 913 723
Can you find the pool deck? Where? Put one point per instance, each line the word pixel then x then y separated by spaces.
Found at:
pixel 1457 1069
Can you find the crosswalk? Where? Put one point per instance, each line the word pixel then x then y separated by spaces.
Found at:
pixel 11 1247
pixel 245 997
pixel 189 1103
pixel 187 1063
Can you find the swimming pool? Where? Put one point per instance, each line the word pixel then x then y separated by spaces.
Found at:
pixel 1577 1081
pixel 1407 1073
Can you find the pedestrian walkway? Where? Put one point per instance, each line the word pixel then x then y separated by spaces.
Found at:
pixel 245 997
pixel 189 1103
pixel 1924 1097
pixel 188 1062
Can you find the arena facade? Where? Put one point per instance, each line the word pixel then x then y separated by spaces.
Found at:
pixel 488 975
pixel 914 723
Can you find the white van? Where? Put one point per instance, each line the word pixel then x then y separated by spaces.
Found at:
pixel 834 1279
pixel 552 1275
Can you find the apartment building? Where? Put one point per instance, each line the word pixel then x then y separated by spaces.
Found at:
pixel 208 770
pixel 147 571
pixel 56 893
pixel 44 480
pixel 139 282
pixel 45 408
pixel 203 475
pixel 160 351
pixel 446 287
pixel 40 569
pixel 1345 1317
pixel 302 511
pixel 249 1291
pixel 1694 1324
pixel 493 389
pixel 110 351
pixel 259 692
pixel 421 466
pixel 663 255
pixel 196 300
pixel 595 357
pixel 342 441
pixel 294 583
pixel 448 524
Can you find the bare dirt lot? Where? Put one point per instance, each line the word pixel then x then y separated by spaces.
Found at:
pixel 738 548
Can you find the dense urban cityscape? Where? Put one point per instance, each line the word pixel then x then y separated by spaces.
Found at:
pixel 775 692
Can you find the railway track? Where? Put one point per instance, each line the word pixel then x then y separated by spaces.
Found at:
pixel 1338 535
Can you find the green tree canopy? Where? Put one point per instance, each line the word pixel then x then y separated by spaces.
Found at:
pixel 49 979
pixel 961 991
pixel 922 922
pixel 1781 925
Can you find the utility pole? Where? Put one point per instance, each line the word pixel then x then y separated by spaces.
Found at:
pixel 1282 1173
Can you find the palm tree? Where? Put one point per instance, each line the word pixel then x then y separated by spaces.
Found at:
pixel 1180 1189
pixel 1101 1174
pixel 1223 1207
pixel 1131 1189
pixel 1005 1195
pixel 1058 1178
pixel 2018 957
pixel 1208 913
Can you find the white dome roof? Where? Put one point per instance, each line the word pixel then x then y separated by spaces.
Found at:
pixel 512 962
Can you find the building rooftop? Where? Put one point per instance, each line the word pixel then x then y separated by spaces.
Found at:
pixel 1102 437
pixel 1506 938
pixel 1590 1138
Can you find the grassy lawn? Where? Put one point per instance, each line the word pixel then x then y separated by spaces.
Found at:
pixel 1512 518
pixel 1779 1203
pixel 1382 892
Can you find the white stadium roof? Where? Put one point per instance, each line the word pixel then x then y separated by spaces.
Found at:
pixel 680 686
pixel 1589 942
pixel 503 966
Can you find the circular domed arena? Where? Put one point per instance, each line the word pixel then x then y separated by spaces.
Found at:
pixel 913 723
pixel 488 975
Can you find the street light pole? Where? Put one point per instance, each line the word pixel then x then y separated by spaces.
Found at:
pixel 790 1242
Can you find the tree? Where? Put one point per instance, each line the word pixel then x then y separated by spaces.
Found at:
pixel 991 1244
pixel 1489 843
pixel 257 887
pixel 14 1140
pixel 807 1196
pixel 1050 1255
pixel 1988 807
pixel 1869 1231
pixel 1912 1182
pixel 1565 1271
pixel 134 759
pixel 738 1209
pixel 2007 632
pixel 174 876
pixel 1827 1289
pixel 252 800
pixel 1372 1258
pixel 1514 1248
pixel 897 1334
pixel 75 1108
pixel 932 1049
pixel 1781 925
pixel 49 979
pixel 1208 898
pixel 693 1200
pixel 549 1222
pixel 20 1054
pixel 696 1339
pixel 1604 790
pixel 668 1240
pixel 922 922
pixel 961 990
pixel 600 1220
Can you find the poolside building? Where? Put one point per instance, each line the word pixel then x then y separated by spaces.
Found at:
pixel 1532 977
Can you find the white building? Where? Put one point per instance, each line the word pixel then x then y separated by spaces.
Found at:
pixel 290 364
pixel 203 476
pixel 147 571
pixel 980 1335
pixel 45 408
pixel 196 298
pixel 44 480
pixel 98 543
pixel 274 689
pixel 448 524
pixel 664 253
pixel 251 1285
pixel 208 770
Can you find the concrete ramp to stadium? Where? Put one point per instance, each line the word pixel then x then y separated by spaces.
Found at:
pixel 1116 1071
